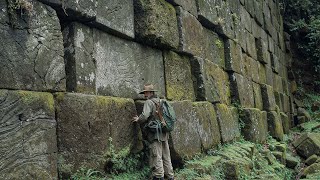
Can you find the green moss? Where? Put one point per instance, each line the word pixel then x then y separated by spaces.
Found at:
pixel 29 97
pixel 219 43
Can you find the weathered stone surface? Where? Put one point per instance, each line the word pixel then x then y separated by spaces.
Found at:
pixel 214 48
pixel 188 5
pixel 308 144
pixel 31 52
pixel 82 10
pixel 268 98
pixel 95 52
pixel 285 123
pixel 251 46
pixel 312 169
pixel 257 96
pixel 275 64
pixel 262 73
pixel 228 122
pixel 179 84
pixel 247 63
pixel 255 71
pixel 115 16
pixel 208 129
pixel 262 51
pixel 277 83
pixel 258 12
pixel 86 126
pixel 28 144
pixel 312 159
pixel 234 6
pixel 269 75
pixel 246 19
pixel 254 130
pixel 217 14
pixel 242 90
pixel 211 81
pixel 271 44
pixel 278 100
pixel 275 125
pixel 233 57
pixel 156 23
pixel 291 162
pixel 191 34
pixel 187 127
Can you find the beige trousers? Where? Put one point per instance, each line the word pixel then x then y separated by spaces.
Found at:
pixel 160 160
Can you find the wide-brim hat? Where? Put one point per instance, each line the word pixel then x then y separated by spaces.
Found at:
pixel 148 88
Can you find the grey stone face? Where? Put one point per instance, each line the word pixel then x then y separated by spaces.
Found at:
pixel 255 129
pixel 233 57
pixel 268 98
pixel 228 122
pixel 28 143
pixel 188 5
pixel 211 81
pixel 31 53
pixel 262 51
pixel 111 65
pixel 275 64
pixel 88 124
pixel 116 16
pixel 214 48
pixel 275 125
pixel 156 23
pixel 257 96
pixel 251 46
pixel 209 11
pixel 191 34
pixel 242 90
pixel 246 19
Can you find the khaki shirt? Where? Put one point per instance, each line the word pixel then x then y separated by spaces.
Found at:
pixel 148 114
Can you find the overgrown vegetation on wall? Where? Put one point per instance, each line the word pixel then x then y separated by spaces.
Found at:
pixel 302 21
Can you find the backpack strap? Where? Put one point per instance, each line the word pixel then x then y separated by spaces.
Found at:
pixel 159 112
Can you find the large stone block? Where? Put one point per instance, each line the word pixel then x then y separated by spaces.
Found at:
pixel 234 6
pixel 275 64
pixel 188 5
pixel 251 46
pixel 114 16
pixel 88 125
pixel 208 129
pixel 285 123
pixel 179 84
pixel 191 33
pixel 262 51
pixel 308 144
pixel 31 49
pixel 248 68
pixel 258 12
pixel 156 23
pixel 214 48
pixel 269 102
pixel 228 122
pixel 95 52
pixel 186 141
pixel 277 83
pixel 211 81
pixel 249 5
pixel 233 57
pixel 28 143
pixel 258 103
pixel 246 19
pixel 254 130
pixel 255 71
pixel 262 73
pixel 242 90
pixel 269 75
pixel 275 125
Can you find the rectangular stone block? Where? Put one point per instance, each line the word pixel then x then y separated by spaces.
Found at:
pixel 162 30
pixel 255 71
pixel 269 75
pixel 88 124
pixel 212 82
pixel 186 126
pixel 234 6
pixel 257 96
pixel 28 142
pixel 132 64
pixel 31 49
pixel 251 46
pixel 278 100
pixel 242 90
pixel 262 73
pixel 249 5
pixel 214 48
pixel 233 57
pixel 247 63
pixel 188 5
pixel 228 122
pixel 179 84
pixel 275 125
pixel 208 129
pixel 275 64
pixel 277 83
pixel 191 34
pixel 269 102
pixel 246 19
pixel 262 51
pixel 254 130
pixel 271 44
pixel 258 12
pixel 285 123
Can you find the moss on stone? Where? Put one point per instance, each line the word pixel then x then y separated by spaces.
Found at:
pixel 29 97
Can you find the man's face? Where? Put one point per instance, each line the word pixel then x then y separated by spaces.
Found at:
pixel 147 94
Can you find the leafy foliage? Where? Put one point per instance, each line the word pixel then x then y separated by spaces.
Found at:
pixel 302 20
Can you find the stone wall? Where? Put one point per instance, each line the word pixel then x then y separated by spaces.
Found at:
pixel 71 73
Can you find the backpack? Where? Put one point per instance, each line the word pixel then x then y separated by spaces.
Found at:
pixel 166 114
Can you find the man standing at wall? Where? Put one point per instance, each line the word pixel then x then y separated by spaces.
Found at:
pixel 159 153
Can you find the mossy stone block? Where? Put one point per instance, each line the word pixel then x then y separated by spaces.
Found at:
pixel 275 125
pixel 242 90
pixel 269 102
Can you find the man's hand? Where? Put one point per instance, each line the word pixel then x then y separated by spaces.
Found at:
pixel 135 119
